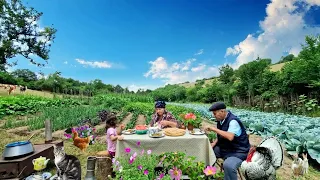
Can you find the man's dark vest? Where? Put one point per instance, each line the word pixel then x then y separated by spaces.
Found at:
pixel 240 144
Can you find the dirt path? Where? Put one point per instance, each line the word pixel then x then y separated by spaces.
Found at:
pixel 19 130
pixel 206 123
pixel 127 119
pixel 141 120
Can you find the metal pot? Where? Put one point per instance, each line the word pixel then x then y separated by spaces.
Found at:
pixel 18 149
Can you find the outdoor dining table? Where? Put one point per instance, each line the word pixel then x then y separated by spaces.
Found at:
pixel 192 145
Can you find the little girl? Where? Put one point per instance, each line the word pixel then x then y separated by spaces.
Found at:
pixel 112 135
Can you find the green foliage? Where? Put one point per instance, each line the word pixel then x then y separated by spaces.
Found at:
pixel 212 136
pixel 170 93
pixel 226 74
pixel 21 34
pixel 287 58
pixel 22 105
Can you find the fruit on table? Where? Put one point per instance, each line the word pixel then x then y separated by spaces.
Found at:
pixel 141 127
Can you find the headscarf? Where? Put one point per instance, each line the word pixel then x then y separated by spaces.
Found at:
pixel 160 104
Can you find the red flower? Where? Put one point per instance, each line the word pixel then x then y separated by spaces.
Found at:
pixel 190 116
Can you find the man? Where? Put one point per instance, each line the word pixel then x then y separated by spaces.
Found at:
pixel 232 143
pixel 162 117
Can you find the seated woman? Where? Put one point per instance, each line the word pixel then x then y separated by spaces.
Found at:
pixel 163 118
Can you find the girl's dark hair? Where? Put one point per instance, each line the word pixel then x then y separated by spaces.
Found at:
pixel 111 121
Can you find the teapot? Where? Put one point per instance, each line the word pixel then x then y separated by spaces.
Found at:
pixel 40 163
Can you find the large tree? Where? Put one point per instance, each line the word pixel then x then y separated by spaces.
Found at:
pixel 25 74
pixel 20 34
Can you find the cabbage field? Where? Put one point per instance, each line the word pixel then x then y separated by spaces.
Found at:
pixel 298 133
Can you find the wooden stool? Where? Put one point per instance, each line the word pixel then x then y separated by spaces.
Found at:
pixel 220 164
pixel 104 165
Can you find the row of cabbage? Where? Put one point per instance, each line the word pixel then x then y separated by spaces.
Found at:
pixel 300 134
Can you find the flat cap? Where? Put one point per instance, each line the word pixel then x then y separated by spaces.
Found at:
pixel 217 106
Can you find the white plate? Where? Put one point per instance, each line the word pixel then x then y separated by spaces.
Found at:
pixel 156 136
pixel 127 132
pixel 197 133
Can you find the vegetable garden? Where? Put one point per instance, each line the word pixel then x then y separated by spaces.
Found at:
pixel 297 133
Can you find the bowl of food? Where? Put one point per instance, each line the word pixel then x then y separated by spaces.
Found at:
pixel 141 129
pixel 153 130
pixel 156 135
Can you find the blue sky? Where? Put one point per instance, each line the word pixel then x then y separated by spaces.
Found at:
pixel 150 43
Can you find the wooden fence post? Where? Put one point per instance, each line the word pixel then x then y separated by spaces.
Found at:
pixel 48 131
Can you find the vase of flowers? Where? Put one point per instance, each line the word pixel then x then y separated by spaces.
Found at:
pixel 190 120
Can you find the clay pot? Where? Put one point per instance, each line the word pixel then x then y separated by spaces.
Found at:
pixel 190 127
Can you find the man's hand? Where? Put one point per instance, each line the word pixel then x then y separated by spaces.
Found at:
pixel 214 129
pixel 207 128
pixel 210 128
pixel 213 144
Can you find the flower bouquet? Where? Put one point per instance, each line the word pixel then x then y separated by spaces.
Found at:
pixel 83 132
pixel 190 120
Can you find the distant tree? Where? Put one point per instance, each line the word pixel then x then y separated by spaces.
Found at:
pixel 25 74
pixel 226 73
pixel 251 74
pixel 21 35
pixel 118 89
pixel 287 58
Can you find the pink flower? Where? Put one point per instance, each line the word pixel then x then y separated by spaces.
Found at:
pixel 94 129
pixel 140 167
pixel 138 143
pixel 127 150
pixel 175 173
pixel 149 151
pixel 68 136
pixel 210 170
pixel 131 160
pixel 142 152
pixel 146 172
pixel 161 175
pixel 134 155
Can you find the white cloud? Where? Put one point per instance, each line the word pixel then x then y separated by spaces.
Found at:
pixel 135 87
pixel 201 67
pixel 94 64
pixel 9 69
pixel 66 62
pixel 199 52
pixel 179 72
pixel 282 31
pixel 41 76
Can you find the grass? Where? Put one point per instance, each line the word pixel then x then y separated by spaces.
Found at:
pixel 276 67
pixel 4 92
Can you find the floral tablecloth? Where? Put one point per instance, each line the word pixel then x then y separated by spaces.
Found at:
pixel 193 145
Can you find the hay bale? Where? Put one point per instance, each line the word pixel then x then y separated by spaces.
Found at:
pixel 104 165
